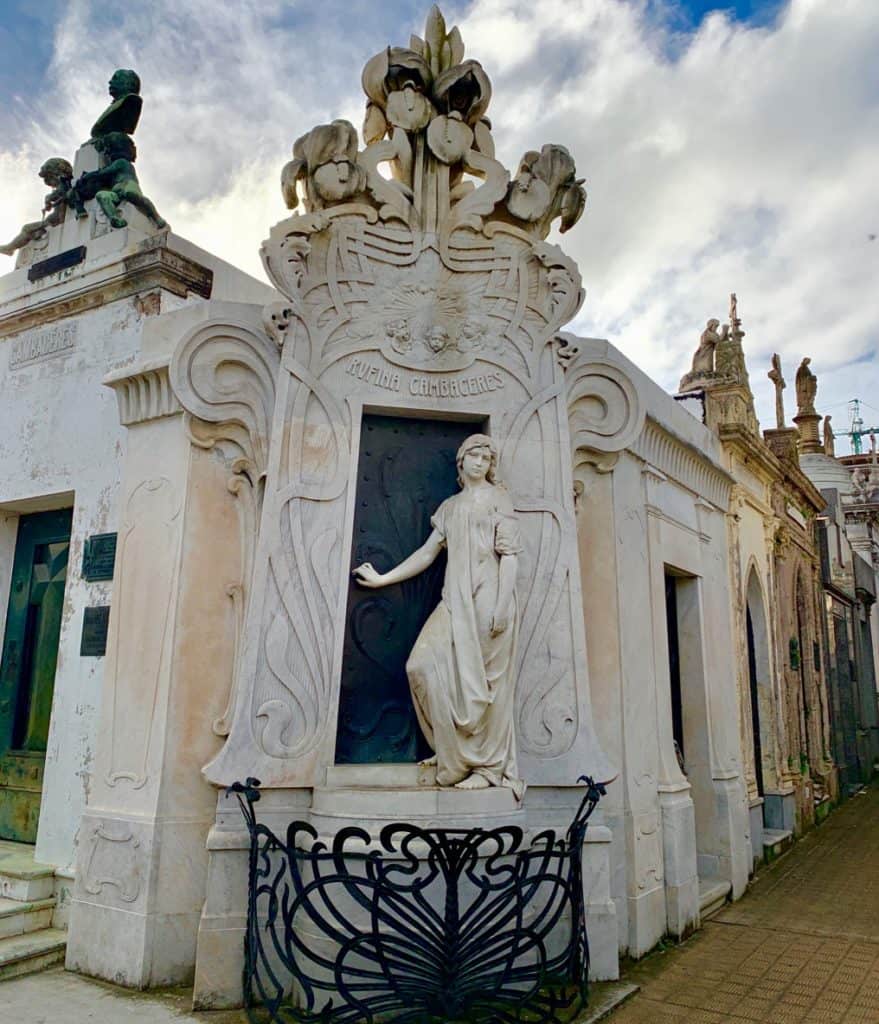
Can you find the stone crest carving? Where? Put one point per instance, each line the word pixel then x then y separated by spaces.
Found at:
pixel 418 280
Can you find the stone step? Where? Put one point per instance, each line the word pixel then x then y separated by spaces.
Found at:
pixel 23 878
pixel 17 918
pixel 713 893
pixel 776 841
pixel 25 954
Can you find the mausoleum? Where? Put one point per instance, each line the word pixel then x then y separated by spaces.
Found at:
pixel 388 539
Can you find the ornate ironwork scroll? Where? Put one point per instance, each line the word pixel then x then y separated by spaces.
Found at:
pixel 417 926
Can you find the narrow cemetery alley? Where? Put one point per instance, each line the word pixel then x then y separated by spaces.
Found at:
pixel 802 947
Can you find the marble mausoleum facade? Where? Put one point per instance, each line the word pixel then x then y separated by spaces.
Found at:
pixel 230 501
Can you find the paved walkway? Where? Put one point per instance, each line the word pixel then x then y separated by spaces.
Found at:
pixel 802 947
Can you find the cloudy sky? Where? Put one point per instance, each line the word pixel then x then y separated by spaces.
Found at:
pixel 726 147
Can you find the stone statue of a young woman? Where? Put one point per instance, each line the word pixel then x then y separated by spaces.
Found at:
pixel 462 668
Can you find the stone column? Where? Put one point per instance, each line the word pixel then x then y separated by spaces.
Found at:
pixel 142 857
pixel 810 440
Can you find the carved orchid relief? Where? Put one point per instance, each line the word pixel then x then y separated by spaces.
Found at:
pixel 426 122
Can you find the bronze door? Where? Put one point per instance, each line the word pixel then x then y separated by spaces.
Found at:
pixel 406 470
pixel 27 669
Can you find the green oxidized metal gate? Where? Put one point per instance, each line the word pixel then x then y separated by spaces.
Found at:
pixel 27 669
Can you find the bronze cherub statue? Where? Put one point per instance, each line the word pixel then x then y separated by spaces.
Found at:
pixel 57 174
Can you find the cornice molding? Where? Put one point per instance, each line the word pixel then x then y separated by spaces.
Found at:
pixel 744 441
pixel 145 270
pixel 684 463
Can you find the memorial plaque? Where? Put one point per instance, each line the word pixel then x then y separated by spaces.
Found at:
pixel 99 557
pixel 94 631
pixel 54 264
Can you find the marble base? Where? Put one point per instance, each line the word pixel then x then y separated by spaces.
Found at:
pixel 780 811
pixel 137 900
pixel 679 858
pixel 755 816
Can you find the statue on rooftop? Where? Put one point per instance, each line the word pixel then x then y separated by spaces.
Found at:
pixel 807 389
pixel 462 668
pixel 116 182
pixel 124 112
pixel 829 445
pixel 703 357
pixel 57 174
pixel 703 372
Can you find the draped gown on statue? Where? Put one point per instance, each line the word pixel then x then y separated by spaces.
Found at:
pixel 462 678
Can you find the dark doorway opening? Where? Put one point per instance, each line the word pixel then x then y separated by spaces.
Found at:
pixel 755 702
pixel 674 665
pixel 405 471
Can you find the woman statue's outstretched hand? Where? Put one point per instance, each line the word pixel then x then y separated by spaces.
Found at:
pixel 367 576
pixel 499 622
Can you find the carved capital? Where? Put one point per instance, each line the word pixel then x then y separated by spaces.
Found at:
pixel 144 394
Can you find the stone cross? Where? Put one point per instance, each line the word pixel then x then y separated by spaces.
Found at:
pixel 778 380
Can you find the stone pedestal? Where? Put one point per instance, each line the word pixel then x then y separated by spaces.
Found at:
pixel 679 858
pixel 142 861
pixel 807 426
pixel 730 404
pixel 783 443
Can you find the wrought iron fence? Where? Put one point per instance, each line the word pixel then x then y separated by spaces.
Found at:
pixel 416 926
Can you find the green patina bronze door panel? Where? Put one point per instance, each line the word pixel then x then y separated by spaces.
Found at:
pixel 406 470
pixel 27 668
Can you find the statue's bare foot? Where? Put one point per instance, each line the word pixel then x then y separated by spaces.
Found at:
pixel 473 782
pixel 118 222
pixel 428 762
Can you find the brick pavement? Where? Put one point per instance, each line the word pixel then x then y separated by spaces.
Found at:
pixel 802 947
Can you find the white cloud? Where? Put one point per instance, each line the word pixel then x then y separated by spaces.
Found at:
pixel 739 158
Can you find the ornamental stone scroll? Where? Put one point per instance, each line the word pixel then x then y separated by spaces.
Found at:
pixel 605 412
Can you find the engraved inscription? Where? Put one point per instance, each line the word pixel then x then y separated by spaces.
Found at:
pixel 462 387
pixel 99 557
pixel 373 374
pixel 31 348
pixel 425 387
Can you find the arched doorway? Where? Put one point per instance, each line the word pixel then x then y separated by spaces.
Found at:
pixel 759 680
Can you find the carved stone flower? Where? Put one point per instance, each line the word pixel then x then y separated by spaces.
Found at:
pixel 326 160
pixel 546 187
pixel 449 138
pixel 464 88
pixel 397 82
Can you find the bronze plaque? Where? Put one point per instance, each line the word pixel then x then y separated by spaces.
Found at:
pixel 95 621
pixel 98 557
pixel 55 264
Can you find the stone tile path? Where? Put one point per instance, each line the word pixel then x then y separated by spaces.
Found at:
pixel 802 947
